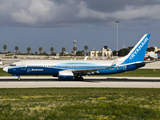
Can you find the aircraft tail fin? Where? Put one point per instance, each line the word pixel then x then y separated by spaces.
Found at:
pixel 86 58
pixel 138 52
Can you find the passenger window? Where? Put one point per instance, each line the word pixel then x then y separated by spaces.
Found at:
pixel 12 65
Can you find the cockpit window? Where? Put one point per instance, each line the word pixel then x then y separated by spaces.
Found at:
pixel 12 65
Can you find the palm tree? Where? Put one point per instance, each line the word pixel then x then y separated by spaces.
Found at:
pixel 52 49
pixel 36 53
pixel 86 48
pixel 40 49
pixel 16 48
pixel 63 49
pixel 28 49
pixel 4 47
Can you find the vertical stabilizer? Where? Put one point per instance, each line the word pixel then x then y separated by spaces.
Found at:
pixel 138 52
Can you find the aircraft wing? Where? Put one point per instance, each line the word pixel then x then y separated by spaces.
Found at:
pixel 86 71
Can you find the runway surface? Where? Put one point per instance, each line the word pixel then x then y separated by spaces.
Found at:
pixel 116 82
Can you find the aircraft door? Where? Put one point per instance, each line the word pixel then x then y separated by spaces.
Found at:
pixel 23 66
pixel 124 67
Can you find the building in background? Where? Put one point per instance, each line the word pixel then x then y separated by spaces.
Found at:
pixel 156 49
pixel 152 55
pixel 105 52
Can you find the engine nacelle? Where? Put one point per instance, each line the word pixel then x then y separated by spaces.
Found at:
pixel 65 75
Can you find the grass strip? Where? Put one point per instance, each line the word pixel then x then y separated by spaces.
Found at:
pixel 2 73
pixel 80 103
pixel 138 73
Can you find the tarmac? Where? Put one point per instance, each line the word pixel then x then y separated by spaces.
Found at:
pixel 99 82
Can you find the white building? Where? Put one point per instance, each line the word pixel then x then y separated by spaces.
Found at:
pixel 105 52
pixel 153 52
pixel 156 49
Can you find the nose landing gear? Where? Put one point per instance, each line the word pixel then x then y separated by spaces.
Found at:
pixel 19 78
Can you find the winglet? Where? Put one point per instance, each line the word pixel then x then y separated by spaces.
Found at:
pixel 86 58
pixel 114 63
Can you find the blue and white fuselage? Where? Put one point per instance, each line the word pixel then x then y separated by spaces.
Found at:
pixel 75 69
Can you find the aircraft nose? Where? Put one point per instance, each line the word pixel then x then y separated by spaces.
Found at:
pixel 5 69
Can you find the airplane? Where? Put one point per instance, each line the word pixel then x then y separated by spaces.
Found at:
pixel 75 69
pixel 152 56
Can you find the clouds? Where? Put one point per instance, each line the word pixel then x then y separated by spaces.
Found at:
pixel 51 13
pixel 37 11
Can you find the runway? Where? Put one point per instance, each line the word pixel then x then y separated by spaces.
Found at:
pixel 103 82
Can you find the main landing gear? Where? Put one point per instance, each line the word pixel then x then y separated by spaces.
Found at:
pixel 78 78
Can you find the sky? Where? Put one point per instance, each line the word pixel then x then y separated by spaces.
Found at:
pixel 56 23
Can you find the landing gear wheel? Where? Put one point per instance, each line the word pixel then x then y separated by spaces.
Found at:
pixel 76 77
pixel 19 78
pixel 80 78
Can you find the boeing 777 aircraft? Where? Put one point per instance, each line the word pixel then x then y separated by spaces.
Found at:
pixel 75 69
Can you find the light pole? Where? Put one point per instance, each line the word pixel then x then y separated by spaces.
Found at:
pixel 117 38
pixel 75 41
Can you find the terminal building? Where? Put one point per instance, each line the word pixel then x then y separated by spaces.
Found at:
pixel 105 52
pixel 154 52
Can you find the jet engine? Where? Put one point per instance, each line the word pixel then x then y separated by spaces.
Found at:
pixel 65 75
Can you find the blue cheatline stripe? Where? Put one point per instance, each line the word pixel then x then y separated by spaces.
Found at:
pixel 55 71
